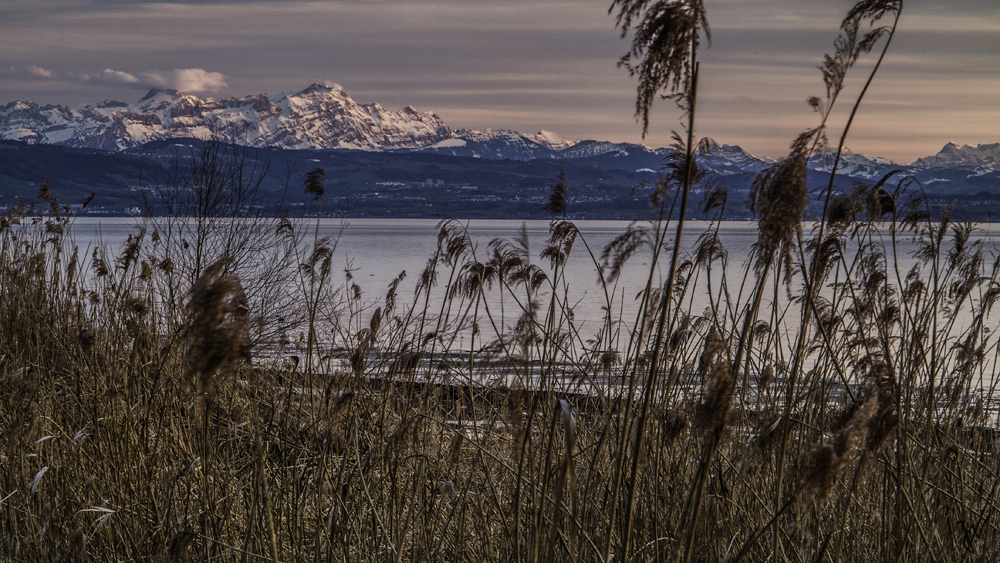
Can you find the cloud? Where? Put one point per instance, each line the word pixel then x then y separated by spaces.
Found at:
pixel 192 80
pixel 111 76
pixel 39 72
pixel 521 64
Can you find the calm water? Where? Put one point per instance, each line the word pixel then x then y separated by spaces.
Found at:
pixel 377 250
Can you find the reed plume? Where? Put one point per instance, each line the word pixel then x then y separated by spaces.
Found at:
pixel 556 204
pixel 314 183
pixel 826 461
pixel 216 328
pixel 778 197
pixel 666 34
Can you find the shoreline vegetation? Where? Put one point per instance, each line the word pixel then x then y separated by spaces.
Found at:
pixel 213 393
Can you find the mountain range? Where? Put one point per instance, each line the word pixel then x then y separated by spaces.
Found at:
pixel 372 147
pixel 324 116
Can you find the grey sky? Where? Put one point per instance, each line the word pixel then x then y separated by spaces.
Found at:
pixel 519 64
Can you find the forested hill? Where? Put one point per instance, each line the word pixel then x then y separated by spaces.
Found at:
pixel 605 182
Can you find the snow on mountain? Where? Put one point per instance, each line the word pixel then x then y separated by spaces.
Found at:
pixel 321 116
pixel 982 158
pixel 498 144
pixel 589 149
pixel 853 164
pixel 551 140
pixel 722 159
pixel 730 159
pixel 447 144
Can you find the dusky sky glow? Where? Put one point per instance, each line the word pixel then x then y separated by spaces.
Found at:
pixel 520 64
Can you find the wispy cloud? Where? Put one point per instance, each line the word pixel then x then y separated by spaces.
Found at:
pixel 39 72
pixel 111 76
pixel 188 80
pixel 191 80
pixel 520 64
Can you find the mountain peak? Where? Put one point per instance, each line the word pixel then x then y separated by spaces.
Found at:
pixel 851 164
pixel 322 87
pixel 153 92
pixel 551 140
pixel 324 116
pixel 983 156
pixel 321 116
pixel 20 105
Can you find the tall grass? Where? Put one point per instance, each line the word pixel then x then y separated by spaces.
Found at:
pixel 829 406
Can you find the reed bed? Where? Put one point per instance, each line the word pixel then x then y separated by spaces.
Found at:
pixel 828 407
pixel 135 429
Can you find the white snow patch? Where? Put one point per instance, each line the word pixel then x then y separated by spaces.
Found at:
pixel 455 142
pixel 551 140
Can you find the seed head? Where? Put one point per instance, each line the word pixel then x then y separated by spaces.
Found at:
pixel 100 267
pixel 217 325
pixel 779 196
pixel 714 345
pixel 828 459
pixel 313 184
pixel 714 408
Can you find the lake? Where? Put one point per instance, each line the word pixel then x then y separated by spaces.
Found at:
pixel 377 250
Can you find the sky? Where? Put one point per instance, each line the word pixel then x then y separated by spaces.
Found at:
pixel 526 65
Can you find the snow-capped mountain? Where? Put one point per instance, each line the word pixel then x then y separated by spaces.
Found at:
pixel 498 144
pixel 616 156
pixel 984 157
pixel 721 159
pixel 853 164
pixel 551 140
pixel 590 149
pixel 321 116
pixel 730 159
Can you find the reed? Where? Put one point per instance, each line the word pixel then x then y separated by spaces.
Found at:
pixel 155 409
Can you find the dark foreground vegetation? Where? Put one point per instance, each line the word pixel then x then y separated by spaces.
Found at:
pixel 213 390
